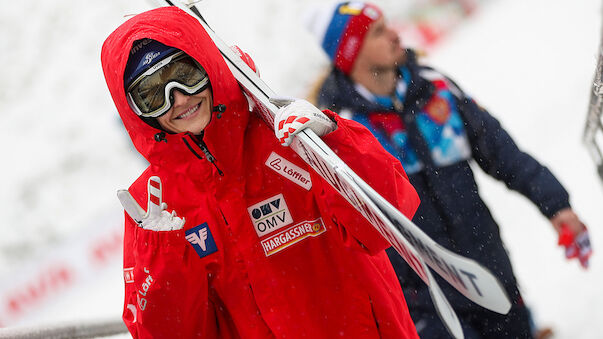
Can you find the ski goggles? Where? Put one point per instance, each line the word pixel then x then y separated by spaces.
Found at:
pixel 150 94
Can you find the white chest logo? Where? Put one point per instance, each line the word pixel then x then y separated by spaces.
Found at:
pixel 270 215
pixel 289 170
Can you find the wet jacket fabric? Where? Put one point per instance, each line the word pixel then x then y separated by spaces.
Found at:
pixel 268 248
pixel 436 130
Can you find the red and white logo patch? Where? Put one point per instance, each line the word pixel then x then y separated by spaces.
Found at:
pixel 129 275
pixel 289 170
pixel 292 235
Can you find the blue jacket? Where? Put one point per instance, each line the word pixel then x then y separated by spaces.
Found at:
pixel 435 130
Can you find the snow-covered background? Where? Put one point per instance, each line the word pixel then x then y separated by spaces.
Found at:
pixel 64 152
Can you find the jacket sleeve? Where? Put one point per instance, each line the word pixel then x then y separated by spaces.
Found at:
pixel 359 149
pixel 161 298
pixel 498 155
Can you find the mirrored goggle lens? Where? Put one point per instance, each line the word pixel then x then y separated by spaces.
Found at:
pixel 150 93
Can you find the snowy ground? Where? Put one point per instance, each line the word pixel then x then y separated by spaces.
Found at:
pixel 530 62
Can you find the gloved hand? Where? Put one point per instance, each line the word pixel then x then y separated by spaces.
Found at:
pixel 573 235
pixel 576 246
pixel 295 115
pixel 156 218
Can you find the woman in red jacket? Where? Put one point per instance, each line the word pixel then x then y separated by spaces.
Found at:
pixel 253 252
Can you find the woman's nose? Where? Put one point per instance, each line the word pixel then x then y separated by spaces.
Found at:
pixel 179 98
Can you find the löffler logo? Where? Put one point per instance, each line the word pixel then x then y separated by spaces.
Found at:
pixel 289 170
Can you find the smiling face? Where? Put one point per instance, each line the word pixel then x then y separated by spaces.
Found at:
pixel 189 113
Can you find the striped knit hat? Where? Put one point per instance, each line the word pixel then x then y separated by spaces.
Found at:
pixel 340 28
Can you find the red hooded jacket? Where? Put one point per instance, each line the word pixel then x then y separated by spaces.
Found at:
pixel 268 249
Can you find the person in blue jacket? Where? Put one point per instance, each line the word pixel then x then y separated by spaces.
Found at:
pixel 435 130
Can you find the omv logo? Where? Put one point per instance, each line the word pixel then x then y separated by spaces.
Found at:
pixel 270 215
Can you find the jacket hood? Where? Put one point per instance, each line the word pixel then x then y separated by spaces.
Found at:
pixel 173 27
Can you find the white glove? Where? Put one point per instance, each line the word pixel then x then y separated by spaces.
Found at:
pixel 156 218
pixel 295 115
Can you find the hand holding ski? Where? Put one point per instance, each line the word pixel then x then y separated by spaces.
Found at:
pixel 295 115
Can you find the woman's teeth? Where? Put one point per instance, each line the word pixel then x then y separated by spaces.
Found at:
pixel 188 113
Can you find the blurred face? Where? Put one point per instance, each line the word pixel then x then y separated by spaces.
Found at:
pixel 189 113
pixel 381 48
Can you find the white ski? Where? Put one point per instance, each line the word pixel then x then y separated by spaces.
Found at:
pixel 418 249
